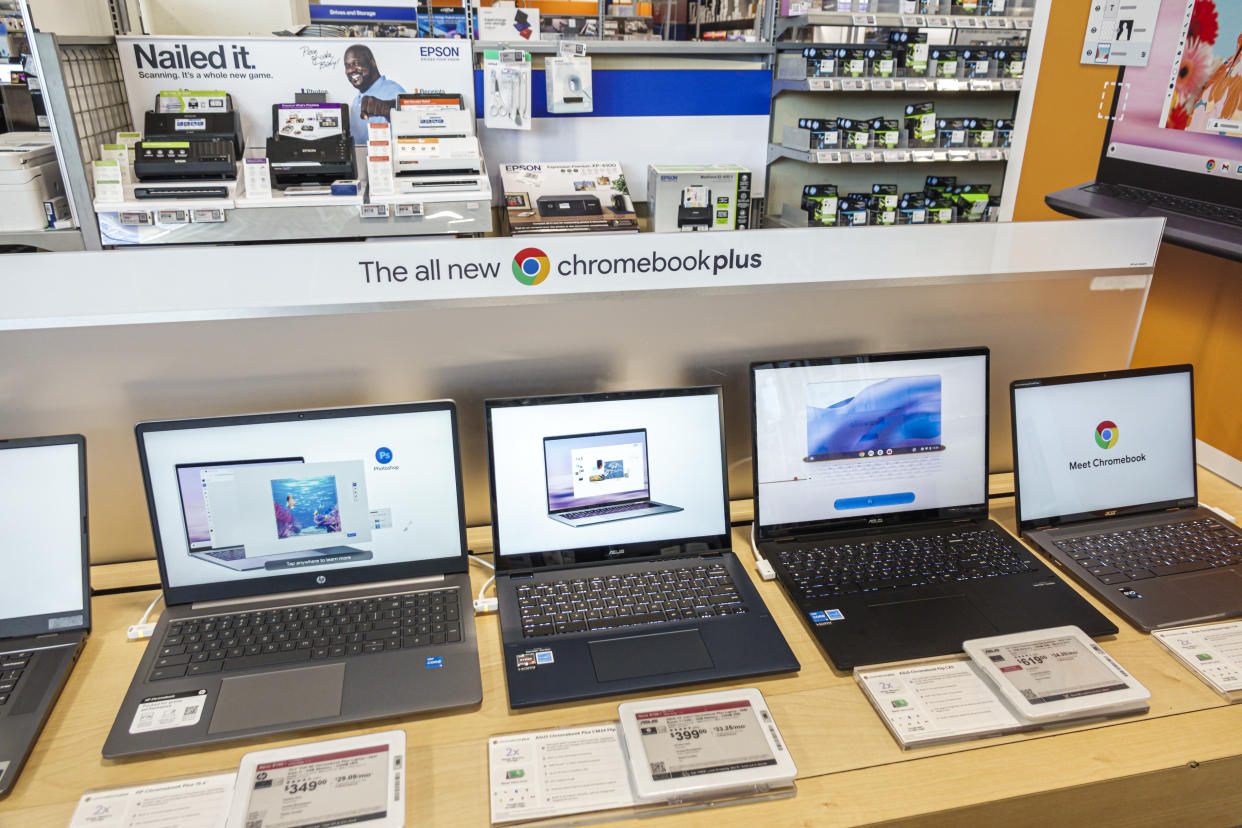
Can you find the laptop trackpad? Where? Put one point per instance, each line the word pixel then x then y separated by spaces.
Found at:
pixel 938 623
pixel 649 655
pixel 279 697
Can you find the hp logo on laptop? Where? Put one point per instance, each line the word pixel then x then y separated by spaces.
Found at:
pixel 321 580
pixel 383 455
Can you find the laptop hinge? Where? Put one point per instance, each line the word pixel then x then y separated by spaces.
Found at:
pixel 326 592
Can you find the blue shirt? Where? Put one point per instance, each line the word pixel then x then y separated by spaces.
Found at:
pixel 384 90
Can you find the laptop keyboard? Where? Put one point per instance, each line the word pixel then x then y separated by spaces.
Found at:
pixel 1154 551
pixel 627 600
pixel 12 665
pixel 871 566
pixel 1164 201
pixel 333 629
pixel 608 510
pixel 231 553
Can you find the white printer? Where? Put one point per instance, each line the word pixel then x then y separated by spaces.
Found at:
pixel 32 192
pixel 434 145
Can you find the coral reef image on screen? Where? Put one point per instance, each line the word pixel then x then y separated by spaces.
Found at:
pixel 1208 84
pixel 607 470
pixel 306 506
pixel 869 418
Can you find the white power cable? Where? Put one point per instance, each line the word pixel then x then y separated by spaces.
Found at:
pixel 481 604
pixel 143 630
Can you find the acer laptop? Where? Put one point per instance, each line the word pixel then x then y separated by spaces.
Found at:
pixel 361 608
pixel 623 605
pixel 1104 473
pixel 1173 145
pixel 595 478
pixel 45 610
pixel 871 505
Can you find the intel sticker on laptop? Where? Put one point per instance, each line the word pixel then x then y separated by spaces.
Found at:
pixel 826 616
pixel 433 662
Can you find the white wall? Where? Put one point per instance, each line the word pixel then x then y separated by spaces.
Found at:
pixel 236 18
pixel 72 17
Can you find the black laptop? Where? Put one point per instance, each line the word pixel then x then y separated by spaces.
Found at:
pixel 871 505
pixel 621 605
pixel 1173 145
pixel 1104 470
pixel 360 607
pixel 45 611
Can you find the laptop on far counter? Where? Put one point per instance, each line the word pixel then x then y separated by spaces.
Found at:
pixel 871 505
pixel 314 570
pixel 641 595
pixel 1104 472
pixel 45 611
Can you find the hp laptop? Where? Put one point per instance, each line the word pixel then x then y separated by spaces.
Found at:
pixel 361 607
pixel 45 610
pixel 1173 145
pixel 1104 472
pixel 871 505
pixel 623 605
pixel 595 478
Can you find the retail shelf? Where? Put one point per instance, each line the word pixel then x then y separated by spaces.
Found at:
pixel 901 155
pixel 975 85
pixel 724 25
pixel 673 48
pixel 57 241
pixel 910 21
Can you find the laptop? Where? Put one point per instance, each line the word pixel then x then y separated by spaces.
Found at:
pixel 1104 472
pixel 361 606
pixel 622 605
pixel 1173 145
pixel 871 505
pixel 599 477
pixel 45 610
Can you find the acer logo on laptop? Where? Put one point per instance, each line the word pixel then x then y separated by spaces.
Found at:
pixel 1110 512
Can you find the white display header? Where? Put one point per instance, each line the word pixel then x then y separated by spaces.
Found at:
pixel 173 284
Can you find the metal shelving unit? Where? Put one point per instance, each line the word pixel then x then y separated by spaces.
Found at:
pixel 57 241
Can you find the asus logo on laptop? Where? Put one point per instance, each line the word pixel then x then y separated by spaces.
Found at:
pixel 875 520
pixel 616 553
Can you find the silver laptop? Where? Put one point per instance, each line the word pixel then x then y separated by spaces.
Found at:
pixel 45 609
pixel 359 606
pixel 599 477
pixel 1104 472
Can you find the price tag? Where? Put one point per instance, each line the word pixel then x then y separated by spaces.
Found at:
pixel 961 155
pixel 939 23
pixel 966 22
pixel 989 154
pixel 1004 153
pixel 821 84
pixel 407 210
pixel 172 217
pixel 913 21
pixel 917 85
pixel 210 215
pixel 863 19
pixel 135 217
pixel 948 85
pixel 922 156
pixel 827 157
pixel 1011 84
pixel 862 157
pixel 853 84
pixel 980 85
pixel 996 23
pixel 896 156
pixel 882 85
pixel 1022 23
pixel 372 211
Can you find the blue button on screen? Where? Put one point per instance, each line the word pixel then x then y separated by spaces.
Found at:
pixel 873 501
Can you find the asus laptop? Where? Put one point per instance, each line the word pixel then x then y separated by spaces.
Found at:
pixel 45 610
pixel 1173 145
pixel 1104 472
pixel 361 608
pixel 871 505
pixel 622 605
pixel 608 478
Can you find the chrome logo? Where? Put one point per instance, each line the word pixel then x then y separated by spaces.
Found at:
pixel 1106 434
pixel 531 266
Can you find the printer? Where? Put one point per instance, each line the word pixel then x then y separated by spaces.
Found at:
pixel 695 210
pixel 190 135
pixel 310 145
pixel 32 192
pixel 434 145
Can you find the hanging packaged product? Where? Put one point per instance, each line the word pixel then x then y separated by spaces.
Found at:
pixel 568 76
pixel 921 124
pixel 882 208
pixel 506 89
pixel 501 22
pixel 885 133
pixel 820 203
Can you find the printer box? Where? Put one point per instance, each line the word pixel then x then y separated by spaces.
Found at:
pixel 690 197
pixel 567 197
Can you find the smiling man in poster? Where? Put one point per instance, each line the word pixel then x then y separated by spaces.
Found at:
pixel 377 95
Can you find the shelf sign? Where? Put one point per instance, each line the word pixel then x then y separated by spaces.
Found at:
pixel 960 155
pixel 917 85
pixel 1011 84
pixel 407 210
pixel 853 84
pixel 966 22
pixel 996 23
pixel 922 156
pixel 981 85
pixel 939 23
pixel 820 84
pixel 370 211
pixel 1022 23
pixel 913 21
pixel 135 217
pixel 989 155
pixel 896 156
pixel 948 85
pixel 882 85
pixel 862 157
pixel 827 157
pixel 864 19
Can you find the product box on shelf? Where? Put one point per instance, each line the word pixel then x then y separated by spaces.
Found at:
pixel 1004 132
pixel 854 134
pixel 912 209
pixel 1011 63
pixel 921 124
pixel 851 62
pixel 943 62
pixel 940 210
pixel 852 210
pixel 938 186
pixel 911 51
pixel 813 134
pixel 567 197
pixel 965 7
pixel 821 61
pixel 980 132
pixel 687 197
pixel 971 201
pixel 880 62
pixel 951 132
pixel 885 133
pixel 882 208
pixel 820 203
pixel 30 181
pixel 977 62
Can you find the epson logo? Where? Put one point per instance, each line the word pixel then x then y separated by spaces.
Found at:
pixel 527 167
pixel 668 178
pixel 439 51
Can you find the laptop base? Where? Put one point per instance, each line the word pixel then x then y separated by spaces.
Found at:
pixel 27 709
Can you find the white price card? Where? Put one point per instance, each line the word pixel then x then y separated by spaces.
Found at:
pixel 207 215
pixel 862 157
pixel 996 23
pixel 896 156
pixel 966 22
pixel 703 744
pixel 827 157
pixel 109 181
pixel 939 22
pixel 882 85
pixel 853 84
pixel 1011 84
pixel 989 154
pixel 200 802
pixel 821 84
pixel 408 210
pixel 370 211
pixel 337 782
pixel 917 85
pixel 936 703
pixel 172 216
pixel 948 85
pixel 961 155
pixel 258 178
pixel 120 153
pixel 1022 23
pixel 557 772
pixel 863 19
pixel 913 21
pixel 1213 652
pixel 922 156
pixel 980 85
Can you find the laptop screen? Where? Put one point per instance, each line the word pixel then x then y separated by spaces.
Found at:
pixel 42 552
pixel 595 469
pixel 846 439
pixel 1181 111
pixel 246 505
pixel 604 476
pixel 1084 446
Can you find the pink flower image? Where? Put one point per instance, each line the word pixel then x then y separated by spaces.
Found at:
pixel 1203 23
pixel 1198 63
